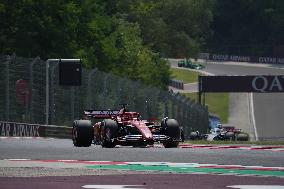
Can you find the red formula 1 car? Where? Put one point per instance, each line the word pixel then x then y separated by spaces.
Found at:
pixel 121 127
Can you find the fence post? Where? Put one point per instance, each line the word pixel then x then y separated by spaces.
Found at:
pixel 132 96
pixel 119 91
pixel 178 103
pixel 32 88
pixel 89 103
pixel 72 102
pixel 166 114
pixel 105 90
pixel 8 88
pixel 53 93
pixel 47 93
pixel 189 119
pixel 173 98
pixel 184 115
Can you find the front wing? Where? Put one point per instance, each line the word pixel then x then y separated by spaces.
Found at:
pixel 139 138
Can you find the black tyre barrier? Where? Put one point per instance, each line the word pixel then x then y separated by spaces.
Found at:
pixel 171 128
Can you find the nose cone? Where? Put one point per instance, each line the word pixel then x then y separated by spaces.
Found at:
pixel 145 131
pixel 148 135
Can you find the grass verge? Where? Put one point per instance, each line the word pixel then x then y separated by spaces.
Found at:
pixel 218 103
pixel 186 76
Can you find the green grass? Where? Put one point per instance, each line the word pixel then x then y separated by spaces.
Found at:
pixel 218 103
pixel 186 76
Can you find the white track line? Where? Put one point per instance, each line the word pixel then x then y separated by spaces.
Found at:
pixel 253 116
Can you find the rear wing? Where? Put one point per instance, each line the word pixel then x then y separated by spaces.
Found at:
pixel 101 113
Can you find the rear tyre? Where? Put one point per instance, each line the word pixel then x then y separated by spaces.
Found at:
pixel 171 128
pixel 230 135
pixel 242 137
pixel 82 133
pixel 109 133
pixel 171 144
pixel 193 135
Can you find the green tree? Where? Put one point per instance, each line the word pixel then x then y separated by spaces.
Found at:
pixel 38 28
pixel 90 29
pixel 172 28
pixel 248 27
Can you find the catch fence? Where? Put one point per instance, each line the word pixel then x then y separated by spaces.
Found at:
pixel 23 96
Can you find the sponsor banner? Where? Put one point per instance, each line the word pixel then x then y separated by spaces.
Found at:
pixel 270 60
pixel 224 57
pixel 21 129
pixel 256 83
pixel 237 58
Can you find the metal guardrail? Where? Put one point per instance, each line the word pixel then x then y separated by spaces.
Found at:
pixel 58 131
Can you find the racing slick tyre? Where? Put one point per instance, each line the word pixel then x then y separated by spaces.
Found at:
pixel 108 133
pixel 229 135
pixel 242 137
pixel 193 135
pixel 171 128
pixel 82 133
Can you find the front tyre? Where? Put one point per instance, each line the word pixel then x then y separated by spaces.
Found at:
pixel 229 135
pixel 109 133
pixel 171 129
pixel 171 144
pixel 82 133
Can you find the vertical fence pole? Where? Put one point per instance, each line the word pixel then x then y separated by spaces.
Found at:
pixel 47 93
pixel 189 120
pixel 89 103
pixel 199 89
pixel 184 115
pixel 52 103
pixel 32 88
pixel 132 96
pixel 105 90
pixel 203 100
pixel 173 105
pixel 72 102
pixel 31 85
pixel 166 114
pixel 8 88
